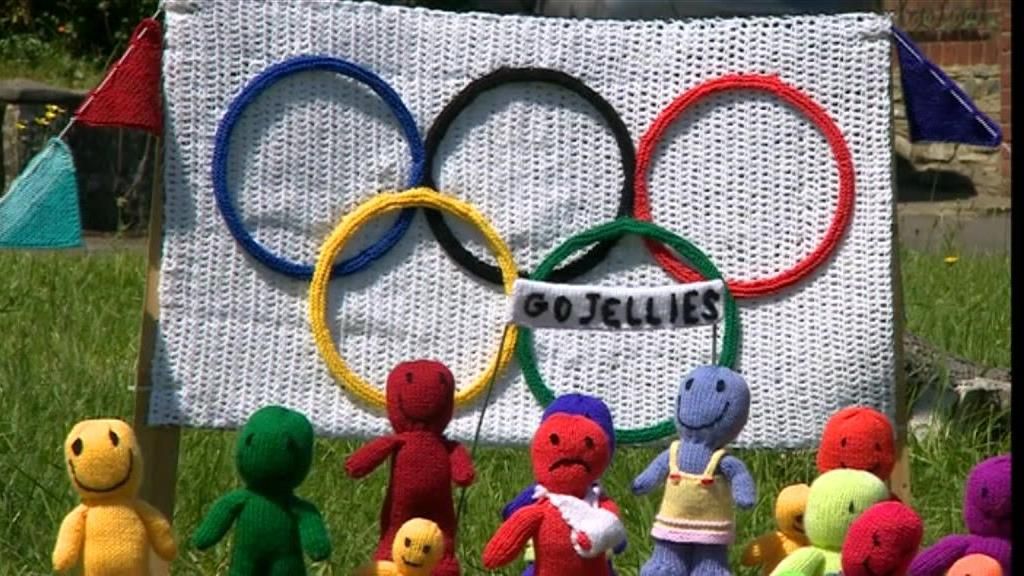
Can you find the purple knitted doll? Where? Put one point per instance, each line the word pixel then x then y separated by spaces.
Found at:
pixel 987 513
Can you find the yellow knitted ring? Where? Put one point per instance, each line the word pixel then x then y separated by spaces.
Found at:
pixel 375 206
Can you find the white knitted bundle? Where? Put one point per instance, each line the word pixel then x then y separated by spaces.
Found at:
pixel 744 176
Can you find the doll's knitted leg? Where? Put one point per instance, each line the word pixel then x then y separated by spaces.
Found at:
pixel 243 563
pixel 291 565
pixel 667 559
pixel 710 560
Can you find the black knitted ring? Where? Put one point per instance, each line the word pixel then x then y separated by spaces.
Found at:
pixel 438 225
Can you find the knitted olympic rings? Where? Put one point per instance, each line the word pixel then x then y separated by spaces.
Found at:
pixel 222 144
pixel 375 206
pixel 816 114
pixel 614 230
pixel 462 100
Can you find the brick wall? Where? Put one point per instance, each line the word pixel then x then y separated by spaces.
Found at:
pixel 970 40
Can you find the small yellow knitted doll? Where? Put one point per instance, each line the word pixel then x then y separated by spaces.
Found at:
pixel 111 532
pixel 769 549
pixel 418 547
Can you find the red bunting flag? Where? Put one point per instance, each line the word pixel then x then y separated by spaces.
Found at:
pixel 129 95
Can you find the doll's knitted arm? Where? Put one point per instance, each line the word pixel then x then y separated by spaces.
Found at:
pixel 219 519
pixel 161 537
pixel 753 553
pixel 68 549
pixel 744 491
pixel 610 505
pixel 808 561
pixel 511 537
pixel 312 530
pixel 655 474
pixel 936 560
pixel 461 464
pixel 373 454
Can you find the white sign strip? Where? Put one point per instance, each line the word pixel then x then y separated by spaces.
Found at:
pixel 587 307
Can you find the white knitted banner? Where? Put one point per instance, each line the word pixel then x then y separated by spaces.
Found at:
pixel 743 176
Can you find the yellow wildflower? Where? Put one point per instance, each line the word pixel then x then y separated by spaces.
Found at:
pixel 21 125
pixel 42 121
pixel 951 259
pixel 50 115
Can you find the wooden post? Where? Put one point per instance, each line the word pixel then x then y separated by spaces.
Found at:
pixel 899 481
pixel 159 445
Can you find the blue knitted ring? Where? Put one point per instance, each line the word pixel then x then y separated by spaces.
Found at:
pixel 222 144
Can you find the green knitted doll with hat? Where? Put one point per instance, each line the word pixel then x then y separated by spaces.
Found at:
pixel 273 526
pixel 836 499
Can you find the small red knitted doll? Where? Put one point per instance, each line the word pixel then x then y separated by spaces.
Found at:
pixel 572 524
pixel 858 437
pixel 420 402
pixel 883 540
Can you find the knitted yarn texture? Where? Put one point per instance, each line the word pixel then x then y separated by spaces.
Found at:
pixel 975 565
pixel 882 540
pixel 858 437
pixel 417 549
pixel 272 526
pixel 769 549
pixel 988 513
pixel 129 95
pixel 836 499
pixel 40 210
pixel 424 464
pixel 111 532
pixel 744 176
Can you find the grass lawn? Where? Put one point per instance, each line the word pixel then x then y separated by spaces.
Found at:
pixel 68 344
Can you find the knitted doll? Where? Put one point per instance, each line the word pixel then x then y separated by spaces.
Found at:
pixel 860 438
pixel 580 405
pixel 418 547
pixel 111 532
pixel 272 525
pixel 420 402
pixel 572 523
pixel 975 565
pixel 882 540
pixel 695 524
pixel 769 549
pixel 836 499
pixel 988 515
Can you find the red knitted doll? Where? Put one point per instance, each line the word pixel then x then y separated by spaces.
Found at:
pixel 420 401
pixel 860 438
pixel 571 523
pixel 883 540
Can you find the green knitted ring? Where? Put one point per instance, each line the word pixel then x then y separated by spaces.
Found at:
pixel 612 231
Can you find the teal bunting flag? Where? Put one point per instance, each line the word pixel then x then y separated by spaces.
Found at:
pixel 40 210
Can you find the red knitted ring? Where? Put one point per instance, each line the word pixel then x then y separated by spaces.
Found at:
pixel 816 114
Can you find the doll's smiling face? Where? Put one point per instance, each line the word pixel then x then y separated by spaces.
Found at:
pixel 420 396
pixel 836 499
pixel 882 541
pixel 712 406
pixel 418 547
pixel 860 438
pixel 103 459
pixel 987 498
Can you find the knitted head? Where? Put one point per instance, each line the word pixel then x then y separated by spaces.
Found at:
pixel 275 449
pixel 571 450
pixel 975 565
pixel 987 504
pixel 590 408
pixel 712 406
pixel 860 438
pixel 882 541
pixel 418 547
pixel 103 460
pixel 790 505
pixel 420 396
pixel 835 500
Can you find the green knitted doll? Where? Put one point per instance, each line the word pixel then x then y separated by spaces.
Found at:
pixel 273 526
pixel 835 500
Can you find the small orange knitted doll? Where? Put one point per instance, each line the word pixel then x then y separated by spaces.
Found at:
pixel 976 565
pixel 769 549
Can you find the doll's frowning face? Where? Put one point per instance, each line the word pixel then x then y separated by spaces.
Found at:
pixel 569 453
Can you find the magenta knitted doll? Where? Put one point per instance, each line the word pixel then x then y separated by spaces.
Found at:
pixel 987 513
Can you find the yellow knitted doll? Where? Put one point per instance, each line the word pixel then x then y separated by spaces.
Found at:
pixel 769 549
pixel 418 547
pixel 111 532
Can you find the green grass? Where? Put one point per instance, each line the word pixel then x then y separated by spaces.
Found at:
pixel 25 56
pixel 68 343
